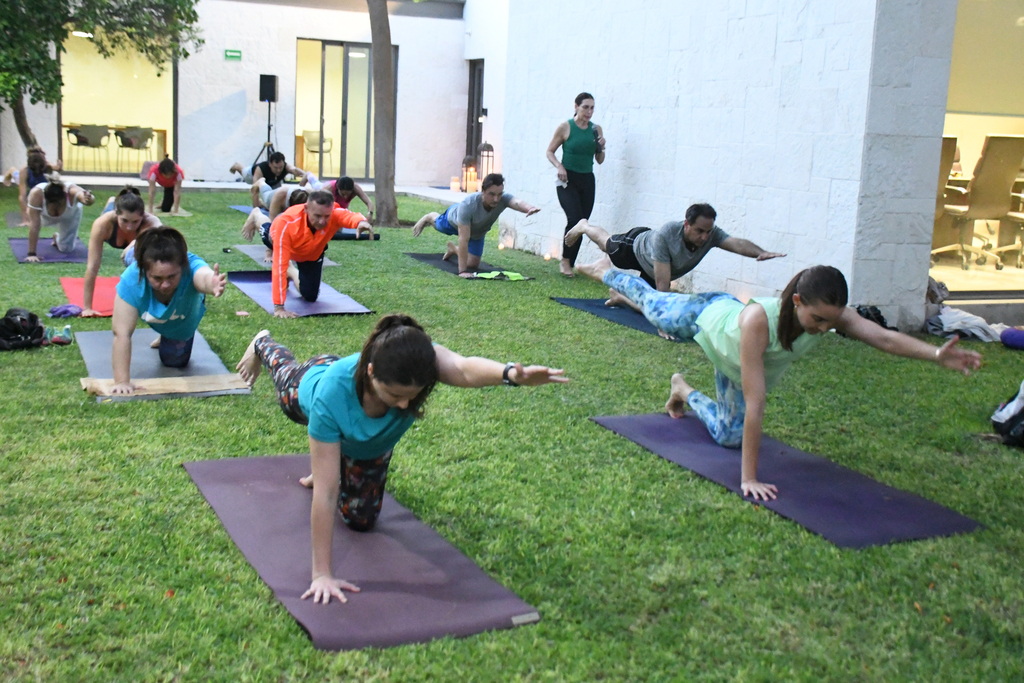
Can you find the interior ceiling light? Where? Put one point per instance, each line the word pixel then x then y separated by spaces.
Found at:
pixel 1020 21
pixel 81 34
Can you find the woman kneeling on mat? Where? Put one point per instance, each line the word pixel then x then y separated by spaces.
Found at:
pixel 751 345
pixel 357 409
pixel 123 218
pixel 166 286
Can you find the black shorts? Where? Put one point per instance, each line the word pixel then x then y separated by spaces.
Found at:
pixel 620 251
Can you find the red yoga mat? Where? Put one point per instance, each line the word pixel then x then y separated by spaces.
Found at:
pixel 102 296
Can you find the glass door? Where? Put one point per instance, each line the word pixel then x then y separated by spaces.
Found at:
pixel 334 109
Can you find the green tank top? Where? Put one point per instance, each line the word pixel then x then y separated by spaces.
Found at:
pixel 579 148
pixel 719 336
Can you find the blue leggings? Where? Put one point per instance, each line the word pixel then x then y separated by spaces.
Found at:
pixel 677 315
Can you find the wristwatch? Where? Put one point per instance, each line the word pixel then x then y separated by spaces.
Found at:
pixel 504 375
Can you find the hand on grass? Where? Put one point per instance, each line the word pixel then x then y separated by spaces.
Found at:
pixel 758 490
pixel 90 313
pixel 535 375
pixel 323 587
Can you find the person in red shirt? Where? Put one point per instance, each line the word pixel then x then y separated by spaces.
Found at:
pixel 169 176
pixel 300 236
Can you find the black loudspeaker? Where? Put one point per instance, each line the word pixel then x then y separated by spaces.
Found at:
pixel 268 88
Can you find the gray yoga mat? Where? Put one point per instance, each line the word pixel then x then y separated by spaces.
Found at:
pixel 256 284
pixel 415 586
pixel 46 252
pixel 13 218
pixel 96 348
pixel 256 252
pixel 844 506
pixel 452 264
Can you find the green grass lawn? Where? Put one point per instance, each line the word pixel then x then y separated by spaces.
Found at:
pixel 641 570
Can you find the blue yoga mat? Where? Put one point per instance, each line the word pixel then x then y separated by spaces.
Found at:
pixel 846 507
pixel 620 315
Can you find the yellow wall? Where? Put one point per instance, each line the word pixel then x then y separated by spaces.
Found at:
pixel 988 50
pixel 358 85
pixel 123 90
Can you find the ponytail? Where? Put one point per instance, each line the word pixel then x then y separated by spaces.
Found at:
pixel 163 244
pixel 129 200
pixel 815 285
pixel 402 354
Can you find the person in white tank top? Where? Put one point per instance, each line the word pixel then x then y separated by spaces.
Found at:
pixel 59 205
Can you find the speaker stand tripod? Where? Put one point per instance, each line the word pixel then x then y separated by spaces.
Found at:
pixel 268 146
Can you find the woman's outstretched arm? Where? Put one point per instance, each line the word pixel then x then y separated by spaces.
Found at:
pixel 949 355
pixel 460 371
pixel 753 343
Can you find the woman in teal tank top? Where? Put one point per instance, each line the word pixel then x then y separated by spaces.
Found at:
pixel 357 408
pixel 582 141
pixel 752 345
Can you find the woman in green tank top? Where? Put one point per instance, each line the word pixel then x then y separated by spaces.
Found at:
pixel 582 141
pixel 751 345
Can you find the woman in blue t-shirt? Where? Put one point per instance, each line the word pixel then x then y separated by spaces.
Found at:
pixel 166 287
pixel 357 409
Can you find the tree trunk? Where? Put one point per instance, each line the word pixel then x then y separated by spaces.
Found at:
pixel 21 121
pixel 383 114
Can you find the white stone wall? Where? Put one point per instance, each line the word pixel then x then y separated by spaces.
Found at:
pixel 486 26
pixel 906 114
pixel 758 107
pixel 43 121
pixel 220 117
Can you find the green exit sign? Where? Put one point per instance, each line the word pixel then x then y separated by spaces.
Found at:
pixel 232 55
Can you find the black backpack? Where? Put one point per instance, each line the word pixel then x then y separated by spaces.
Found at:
pixel 20 329
pixel 1008 420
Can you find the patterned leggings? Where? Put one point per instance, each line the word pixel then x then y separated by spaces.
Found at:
pixel 677 315
pixel 361 489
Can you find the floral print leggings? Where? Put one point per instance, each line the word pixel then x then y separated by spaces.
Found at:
pixel 361 489
pixel 677 314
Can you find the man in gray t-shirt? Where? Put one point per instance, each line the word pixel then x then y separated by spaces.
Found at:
pixel 471 219
pixel 666 253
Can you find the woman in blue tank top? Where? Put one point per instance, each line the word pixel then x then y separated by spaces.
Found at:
pixel 357 408
pixel 752 344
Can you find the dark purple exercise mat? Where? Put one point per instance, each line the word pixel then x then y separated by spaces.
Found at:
pixel 621 315
pixel 846 507
pixel 451 265
pixel 256 284
pixel 47 253
pixel 415 585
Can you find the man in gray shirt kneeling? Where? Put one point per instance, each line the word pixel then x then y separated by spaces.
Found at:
pixel 663 254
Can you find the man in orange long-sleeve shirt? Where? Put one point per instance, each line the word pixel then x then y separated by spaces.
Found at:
pixel 300 236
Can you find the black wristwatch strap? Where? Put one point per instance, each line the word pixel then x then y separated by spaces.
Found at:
pixel 504 375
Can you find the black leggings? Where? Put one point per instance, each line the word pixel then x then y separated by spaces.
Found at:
pixel 577 200
pixel 309 277
pixel 168 202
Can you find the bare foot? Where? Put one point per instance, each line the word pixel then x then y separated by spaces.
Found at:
pixel 574 235
pixel 597 269
pixel 236 168
pixel 451 251
pixel 250 365
pixel 251 224
pixel 269 256
pixel 155 344
pixel 616 299
pixel 422 223
pixel 676 405
pixel 293 275
pixel 307 481
pixel 565 268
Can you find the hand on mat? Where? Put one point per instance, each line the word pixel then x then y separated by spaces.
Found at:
pixel 281 313
pixel 220 280
pixel 666 335
pixel 125 388
pixel 535 375
pixel 949 355
pixel 32 259
pixel 758 490
pixel 323 587
pixel 769 255
pixel 469 275
pixel 364 226
pixel 90 313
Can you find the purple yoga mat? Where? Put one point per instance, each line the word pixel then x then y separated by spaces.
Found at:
pixel 415 585
pixel 46 252
pixel 846 507
pixel 256 284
